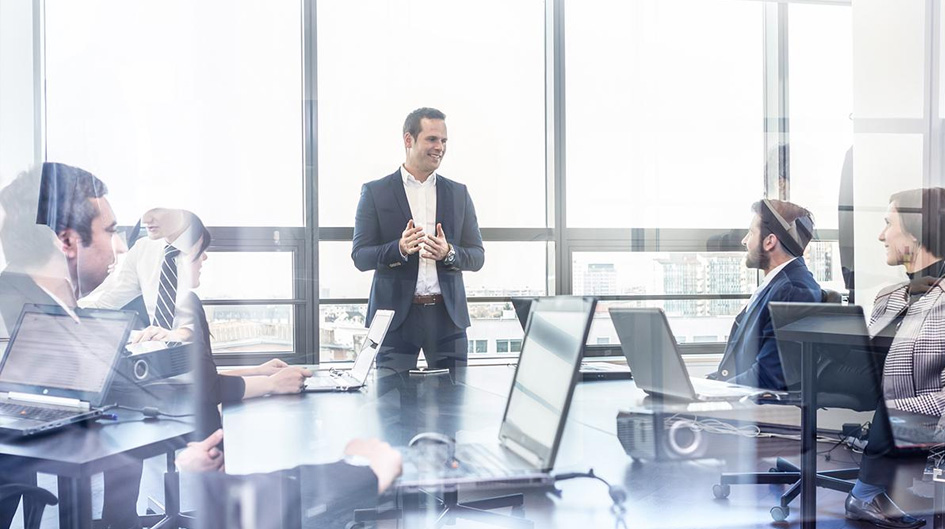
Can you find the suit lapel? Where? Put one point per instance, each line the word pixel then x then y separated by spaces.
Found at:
pixel 397 189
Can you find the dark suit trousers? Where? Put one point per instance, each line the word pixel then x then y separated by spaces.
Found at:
pixel 876 467
pixel 430 328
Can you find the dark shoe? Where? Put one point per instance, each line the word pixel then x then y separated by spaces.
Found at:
pixel 880 511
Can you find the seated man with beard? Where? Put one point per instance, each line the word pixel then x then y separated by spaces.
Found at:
pixel 776 241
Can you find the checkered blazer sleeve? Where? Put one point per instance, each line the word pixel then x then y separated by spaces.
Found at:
pixel 914 372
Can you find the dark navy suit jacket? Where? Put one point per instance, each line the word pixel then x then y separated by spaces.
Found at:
pixel 751 355
pixel 383 213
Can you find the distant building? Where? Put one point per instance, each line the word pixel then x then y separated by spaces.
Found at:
pixel 600 279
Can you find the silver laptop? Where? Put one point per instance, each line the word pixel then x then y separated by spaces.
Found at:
pixel 356 377
pixel 535 411
pixel 57 369
pixel 657 366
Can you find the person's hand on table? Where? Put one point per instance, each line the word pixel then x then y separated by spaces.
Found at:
pixel 270 368
pixel 290 379
pixel 202 456
pixel 384 461
pixel 155 333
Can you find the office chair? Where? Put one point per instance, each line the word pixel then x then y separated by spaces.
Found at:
pixel 35 500
pixel 786 473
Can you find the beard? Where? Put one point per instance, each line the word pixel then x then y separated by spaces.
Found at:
pixel 757 258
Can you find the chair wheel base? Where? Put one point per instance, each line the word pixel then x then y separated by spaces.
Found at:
pixel 721 491
pixel 779 514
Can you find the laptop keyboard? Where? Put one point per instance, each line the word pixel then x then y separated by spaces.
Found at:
pixel 35 412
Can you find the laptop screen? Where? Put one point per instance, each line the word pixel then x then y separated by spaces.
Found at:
pixel 651 352
pixel 379 325
pixel 544 380
pixel 50 350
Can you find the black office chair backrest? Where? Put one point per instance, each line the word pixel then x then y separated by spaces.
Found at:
pixel 830 296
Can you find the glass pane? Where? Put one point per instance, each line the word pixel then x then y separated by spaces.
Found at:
pixel 251 328
pixel 180 104
pixel 511 269
pixel 637 273
pixel 821 108
pixel 341 326
pixel 489 83
pixel 677 119
pixel 246 275
pixel 690 321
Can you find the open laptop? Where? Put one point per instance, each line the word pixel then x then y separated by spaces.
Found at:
pixel 590 370
pixel 356 377
pixel 535 411
pixel 57 370
pixel 657 365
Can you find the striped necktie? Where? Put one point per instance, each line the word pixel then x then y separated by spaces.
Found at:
pixel 167 290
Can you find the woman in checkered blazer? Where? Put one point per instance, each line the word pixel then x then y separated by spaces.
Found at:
pixel 913 313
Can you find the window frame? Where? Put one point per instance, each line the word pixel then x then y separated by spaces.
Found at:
pixel 561 240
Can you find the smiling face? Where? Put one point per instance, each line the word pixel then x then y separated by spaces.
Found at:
pixel 426 151
pixel 900 244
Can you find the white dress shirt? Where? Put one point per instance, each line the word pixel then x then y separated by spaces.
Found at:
pixel 139 275
pixel 421 196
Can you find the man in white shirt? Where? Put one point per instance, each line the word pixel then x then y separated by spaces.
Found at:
pixel 418 232
pixel 150 270
pixel 779 233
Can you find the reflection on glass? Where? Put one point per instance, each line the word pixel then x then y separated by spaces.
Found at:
pixel 495 330
pixel 251 328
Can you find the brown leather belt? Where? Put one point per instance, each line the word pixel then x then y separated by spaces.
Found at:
pixel 432 299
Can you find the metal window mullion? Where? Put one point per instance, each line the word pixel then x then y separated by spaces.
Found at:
pixel 307 280
pixel 558 256
pixel 776 100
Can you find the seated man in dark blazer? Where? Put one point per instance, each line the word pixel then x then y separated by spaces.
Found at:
pixel 776 241
pixel 418 232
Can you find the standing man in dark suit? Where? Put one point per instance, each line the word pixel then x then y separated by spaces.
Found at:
pixel 776 241
pixel 418 231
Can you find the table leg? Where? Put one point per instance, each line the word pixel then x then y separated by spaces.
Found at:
pixel 808 439
pixel 75 503
pixel 938 520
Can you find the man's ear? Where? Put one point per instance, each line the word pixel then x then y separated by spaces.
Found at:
pixel 771 242
pixel 69 241
pixel 408 140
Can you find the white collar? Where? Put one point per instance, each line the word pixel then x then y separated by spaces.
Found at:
pixel 777 270
pixel 411 179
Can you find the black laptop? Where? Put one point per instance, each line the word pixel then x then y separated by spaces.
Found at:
pixel 535 412
pixel 58 366
pixel 590 370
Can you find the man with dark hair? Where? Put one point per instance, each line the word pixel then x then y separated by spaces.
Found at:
pixel 418 231
pixel 779 233
pixel 72 203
